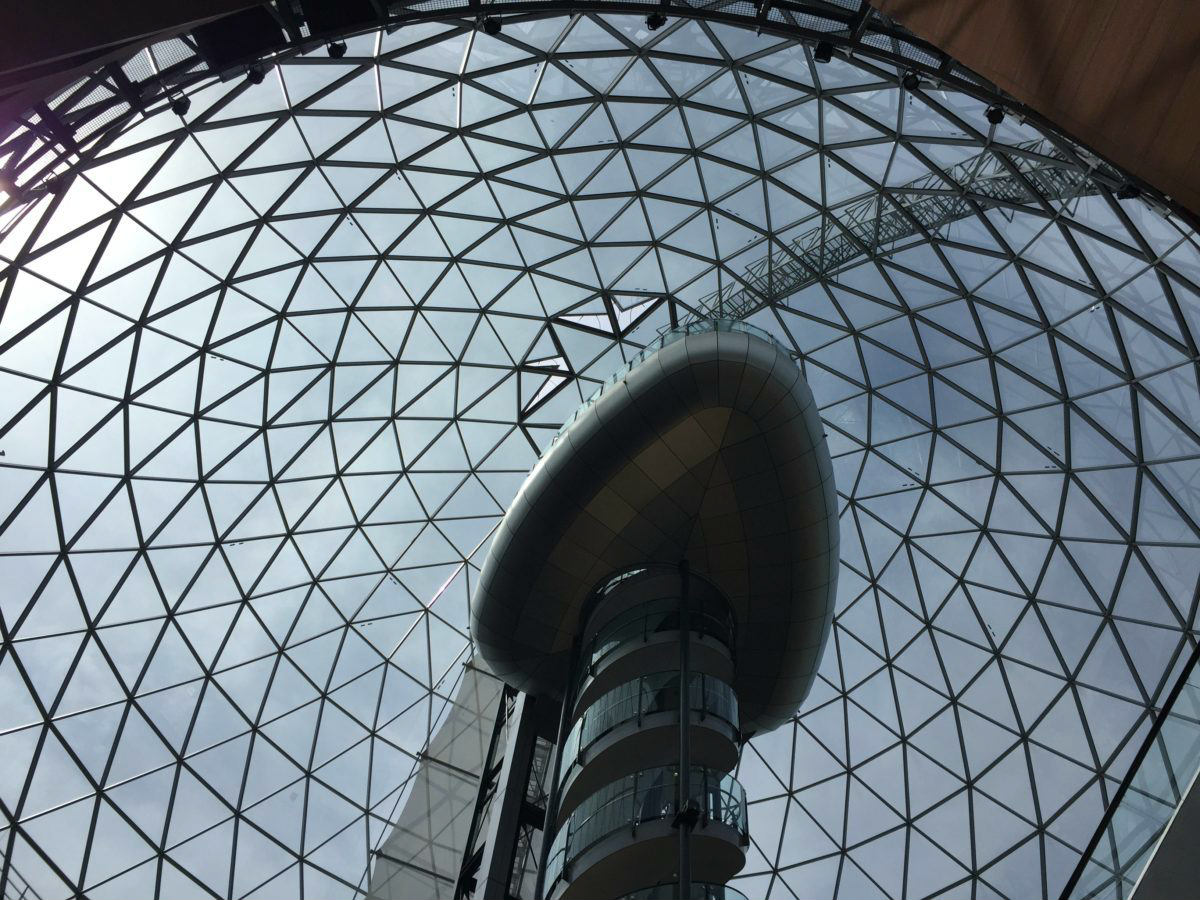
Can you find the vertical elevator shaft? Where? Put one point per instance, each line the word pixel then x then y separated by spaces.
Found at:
pixel 644 799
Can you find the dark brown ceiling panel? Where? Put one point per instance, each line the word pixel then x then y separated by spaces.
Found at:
pixel 1122 76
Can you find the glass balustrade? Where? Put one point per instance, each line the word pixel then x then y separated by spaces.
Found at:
pixel 656 617
pixel 655 693
pixel 643 797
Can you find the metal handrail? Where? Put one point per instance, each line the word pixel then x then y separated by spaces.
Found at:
pixel 652 796
pixel 660 615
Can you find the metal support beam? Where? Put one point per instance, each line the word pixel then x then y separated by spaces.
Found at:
pixel 492 766
pixel 508 806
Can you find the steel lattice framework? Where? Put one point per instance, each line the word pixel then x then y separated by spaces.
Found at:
pixel 271 375
pixel 92 109
pixel 929 203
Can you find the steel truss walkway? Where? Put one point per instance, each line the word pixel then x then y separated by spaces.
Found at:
pixel 1030 173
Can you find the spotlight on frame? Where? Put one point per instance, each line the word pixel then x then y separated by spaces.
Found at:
pixel 655 21
pixel 181 105
pixel 823 52
pixel 491 25
pixel 995 114
pixel 337 49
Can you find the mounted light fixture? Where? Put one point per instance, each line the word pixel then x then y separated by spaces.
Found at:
pixel 823 52
pixel 337 49
pixel 911 81
pixel 181 105
pixel 491 25
pixel 255 74
pixel 655 21
pixel 995 114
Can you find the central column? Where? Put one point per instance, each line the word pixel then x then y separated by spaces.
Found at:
pixel 650 740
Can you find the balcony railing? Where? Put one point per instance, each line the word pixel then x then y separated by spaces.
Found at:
pixel 646 796
pixel 657 616
pixel 632 701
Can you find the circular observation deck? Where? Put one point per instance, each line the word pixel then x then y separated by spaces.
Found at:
pixel 707 448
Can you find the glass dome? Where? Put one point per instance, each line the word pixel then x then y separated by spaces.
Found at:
pixel 271 374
